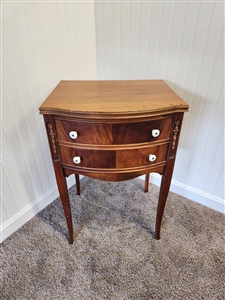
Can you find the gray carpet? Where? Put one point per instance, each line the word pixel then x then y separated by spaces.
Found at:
pixel 115 255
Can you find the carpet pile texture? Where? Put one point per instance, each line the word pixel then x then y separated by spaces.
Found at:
pixel 115 255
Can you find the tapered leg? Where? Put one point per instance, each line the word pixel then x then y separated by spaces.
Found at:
pixel 163 193
pixel 167 176
pixel 61 180
pixel 77 183
pixel 146 183
pixel 63 191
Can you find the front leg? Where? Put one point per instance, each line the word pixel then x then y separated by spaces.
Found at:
pixel 163 193
pixel 60 179
pixel 168 172
pixel 63 191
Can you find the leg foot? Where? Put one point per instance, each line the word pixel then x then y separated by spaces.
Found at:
pixel 163 193
pixel 70 241
pixel 64 196
pixel 157 234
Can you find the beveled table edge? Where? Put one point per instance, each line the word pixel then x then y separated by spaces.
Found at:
pixel 113 115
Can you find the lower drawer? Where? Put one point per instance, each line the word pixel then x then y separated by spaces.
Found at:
pixel 86 158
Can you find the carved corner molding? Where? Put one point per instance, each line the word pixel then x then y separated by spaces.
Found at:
pixel 175 132
pixel 52 136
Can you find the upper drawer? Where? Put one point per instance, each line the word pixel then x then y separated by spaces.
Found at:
pixel 87 133
pixel 113 134
pixel 141 132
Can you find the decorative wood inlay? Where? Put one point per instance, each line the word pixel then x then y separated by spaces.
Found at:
pixel 176 130
pixel 52 135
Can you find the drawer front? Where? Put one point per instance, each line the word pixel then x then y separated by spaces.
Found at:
pixel 87 133
pixel 113 134
pixel 113 158
pixel 88 158
pixel 141 132
pixel 141 156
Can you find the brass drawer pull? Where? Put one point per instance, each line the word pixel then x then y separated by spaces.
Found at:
pixel 152 157
pixel 73 135
pixel 155 132
pixel 77 160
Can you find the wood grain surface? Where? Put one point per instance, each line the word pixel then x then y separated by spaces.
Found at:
pixel 124 97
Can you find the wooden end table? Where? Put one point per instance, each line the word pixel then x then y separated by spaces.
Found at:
pixel 113 131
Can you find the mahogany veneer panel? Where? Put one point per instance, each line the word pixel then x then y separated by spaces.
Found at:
pixel 113 134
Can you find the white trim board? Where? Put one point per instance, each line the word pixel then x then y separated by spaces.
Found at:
pixel 31 210
pixel 191 193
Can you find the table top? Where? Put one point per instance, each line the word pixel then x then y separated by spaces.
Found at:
pixel 102 98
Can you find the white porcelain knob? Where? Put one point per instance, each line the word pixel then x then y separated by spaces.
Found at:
pixel 152 157
pixel 77 160
pixel 73 135
pixel 155 132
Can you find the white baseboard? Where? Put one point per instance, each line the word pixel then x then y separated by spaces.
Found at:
pixel 191 193
pixel 30 211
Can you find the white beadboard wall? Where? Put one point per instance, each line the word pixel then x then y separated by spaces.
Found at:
pixel 46 41
pixel 42 43
pixel 181 42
